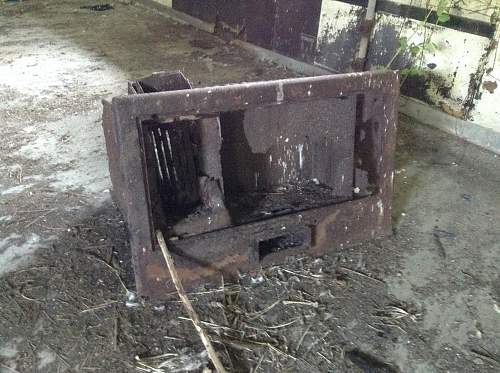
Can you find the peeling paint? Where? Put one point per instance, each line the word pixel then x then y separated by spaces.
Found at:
pixel 490 86
pixel 451 75
pixel 338 35
pixel 474 92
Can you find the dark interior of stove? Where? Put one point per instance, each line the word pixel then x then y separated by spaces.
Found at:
pixel 206 173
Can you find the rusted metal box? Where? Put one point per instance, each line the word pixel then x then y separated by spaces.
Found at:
pixel 241 176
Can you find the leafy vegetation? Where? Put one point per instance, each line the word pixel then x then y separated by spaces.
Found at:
pixel 418 50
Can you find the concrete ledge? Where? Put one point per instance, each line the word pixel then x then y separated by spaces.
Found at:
pixel 470 131
pixel 263 54
pixel 424 113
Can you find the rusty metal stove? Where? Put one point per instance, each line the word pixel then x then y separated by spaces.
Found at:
pixel 241 176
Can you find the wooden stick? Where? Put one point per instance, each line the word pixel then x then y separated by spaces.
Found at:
pixel 188 306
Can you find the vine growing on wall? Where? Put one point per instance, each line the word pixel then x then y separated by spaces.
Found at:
pixel 418 50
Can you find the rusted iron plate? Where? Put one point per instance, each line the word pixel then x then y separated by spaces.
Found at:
pixel 203 259
pixel 243 96
pixel 244 213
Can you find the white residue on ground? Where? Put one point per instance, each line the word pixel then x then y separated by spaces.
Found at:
pixel 46 357
pixel 59 76
pixel 45 71
pixel 16 250
pixel 74 148
pixel 8 353
pixel 5 219
pixel 15 189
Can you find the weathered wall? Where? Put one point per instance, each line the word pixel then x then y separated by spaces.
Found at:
pixel 481 10
pixel 486 110
pixel 286 26
pixel 459 78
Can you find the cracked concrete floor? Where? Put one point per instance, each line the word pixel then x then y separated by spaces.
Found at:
pixel 58 61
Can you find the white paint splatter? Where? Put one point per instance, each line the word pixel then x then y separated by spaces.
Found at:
pixel 280 94
pixel 301 155
pixel 380 206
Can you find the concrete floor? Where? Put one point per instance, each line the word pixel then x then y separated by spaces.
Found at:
pixel 57 61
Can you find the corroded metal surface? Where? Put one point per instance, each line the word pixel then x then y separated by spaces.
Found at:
pixel 243 175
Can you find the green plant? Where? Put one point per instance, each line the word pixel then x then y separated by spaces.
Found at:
pixel 417 50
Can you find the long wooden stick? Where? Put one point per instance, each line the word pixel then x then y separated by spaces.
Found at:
pixel 188 306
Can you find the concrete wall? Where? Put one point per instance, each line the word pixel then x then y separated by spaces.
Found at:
pixel 456 77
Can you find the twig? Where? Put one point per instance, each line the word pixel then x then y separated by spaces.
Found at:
pixel 374 328
pixel 113 269
pixel 115 334
pixel 249 345
pixel 157 357
pixel 58 355
pixel 31 211
pixel 272 326
pixel 173 338
pixel 30 269
pixel 324 357
pixel 254 370
pixel 213 325
pixel 302 303
pixel 40 217
pixel 362 275
pixel 311 276
pixel 254 315
pixel 188 306
pixel 9 368
pixel 98 307
pixel 392 326
pixel 485 356
pixel 302 338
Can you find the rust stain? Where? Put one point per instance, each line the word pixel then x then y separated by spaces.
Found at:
pixel 157 270
pixel 490 86
pixel 321 230
pixel 187 274
pixel 193 274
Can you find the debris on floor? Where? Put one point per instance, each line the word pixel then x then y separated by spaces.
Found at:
pixel 98 7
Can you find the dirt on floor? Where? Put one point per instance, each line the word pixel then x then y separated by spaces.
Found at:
pixel 424 300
